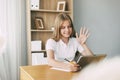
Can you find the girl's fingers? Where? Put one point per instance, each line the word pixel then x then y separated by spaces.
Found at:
pixel 86 32
pixel 87 35
pixel 81 31
pixel 77 35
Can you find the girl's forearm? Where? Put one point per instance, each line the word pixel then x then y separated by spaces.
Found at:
pixel 87 51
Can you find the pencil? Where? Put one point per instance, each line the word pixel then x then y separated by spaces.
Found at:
pixel 67 60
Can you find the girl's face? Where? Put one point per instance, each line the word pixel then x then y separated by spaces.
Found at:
pixel 66 29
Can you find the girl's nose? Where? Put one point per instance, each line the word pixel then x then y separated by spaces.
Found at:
pixel 67 28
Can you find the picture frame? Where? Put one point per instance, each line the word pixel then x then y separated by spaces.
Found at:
pixel 61 5
pixel 39 23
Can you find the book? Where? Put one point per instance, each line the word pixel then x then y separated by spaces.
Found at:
pixel 77 57
pixel 86 60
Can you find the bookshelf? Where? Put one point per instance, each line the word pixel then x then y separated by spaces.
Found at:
pixel 47 13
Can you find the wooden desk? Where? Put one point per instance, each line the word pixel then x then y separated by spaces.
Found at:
pixel 43 72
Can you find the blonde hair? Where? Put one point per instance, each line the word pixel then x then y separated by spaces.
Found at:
pixel 58 22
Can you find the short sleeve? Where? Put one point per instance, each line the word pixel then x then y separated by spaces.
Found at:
pixel 50 44
pixel 80 48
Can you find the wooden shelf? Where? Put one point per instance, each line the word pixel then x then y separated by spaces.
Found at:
pixel 50 11
pixel 47 14
pixel 34 30
pixel 39 51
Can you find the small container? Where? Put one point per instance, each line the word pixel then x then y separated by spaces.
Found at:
pixel 36 45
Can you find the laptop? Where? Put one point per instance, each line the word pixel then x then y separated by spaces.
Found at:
pixel 86 60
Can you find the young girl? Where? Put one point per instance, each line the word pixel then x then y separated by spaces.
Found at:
pixel 64 44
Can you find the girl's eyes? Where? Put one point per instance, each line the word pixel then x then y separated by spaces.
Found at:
pixel 63 27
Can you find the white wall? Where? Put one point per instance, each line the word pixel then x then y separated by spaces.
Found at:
pixel 24 37
pixel 102 18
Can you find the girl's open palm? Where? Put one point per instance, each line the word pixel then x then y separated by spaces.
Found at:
pixel 83 35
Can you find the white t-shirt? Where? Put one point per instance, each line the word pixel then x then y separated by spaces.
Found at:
pixel 62 51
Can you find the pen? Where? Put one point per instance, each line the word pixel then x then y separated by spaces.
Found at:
pixel 69 61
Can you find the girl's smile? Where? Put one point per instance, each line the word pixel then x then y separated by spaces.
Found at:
pixel 66 29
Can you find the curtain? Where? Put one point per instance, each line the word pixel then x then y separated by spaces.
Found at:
pixel 12 27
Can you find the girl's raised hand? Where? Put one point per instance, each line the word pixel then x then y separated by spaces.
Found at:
pixel 84 34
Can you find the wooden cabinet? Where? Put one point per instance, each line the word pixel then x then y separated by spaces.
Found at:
pixel 45 17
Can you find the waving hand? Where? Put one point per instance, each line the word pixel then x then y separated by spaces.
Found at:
pixel 82 37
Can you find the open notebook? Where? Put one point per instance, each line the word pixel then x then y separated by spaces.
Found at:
pixel 84 60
